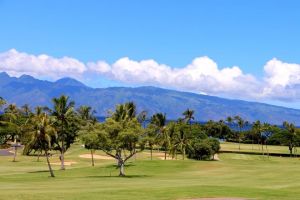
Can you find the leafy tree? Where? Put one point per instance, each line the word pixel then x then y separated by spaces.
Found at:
pixel 203 149
pixel 91 136
pixel 121 134
pixel 215 146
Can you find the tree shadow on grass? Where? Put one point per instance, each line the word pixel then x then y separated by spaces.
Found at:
pixel 39 171
pixel 115 176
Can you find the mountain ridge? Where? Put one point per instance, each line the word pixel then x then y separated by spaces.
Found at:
pixel 27 89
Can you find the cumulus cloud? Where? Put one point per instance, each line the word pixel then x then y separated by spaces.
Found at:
pixel 281 81
pixel 18 63
pixel 202 75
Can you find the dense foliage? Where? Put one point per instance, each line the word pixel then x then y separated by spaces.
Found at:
pixel 126 132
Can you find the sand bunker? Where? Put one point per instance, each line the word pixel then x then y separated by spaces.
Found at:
pixel 67 163
pixel 161 155
pixel 216 157
pixel 100 157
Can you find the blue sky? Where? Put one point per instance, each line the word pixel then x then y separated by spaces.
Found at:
pixel 242 33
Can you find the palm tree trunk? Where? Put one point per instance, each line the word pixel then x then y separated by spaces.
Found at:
pixel 62 156
pixel 92 155
pixel 183 153
pixel 49 165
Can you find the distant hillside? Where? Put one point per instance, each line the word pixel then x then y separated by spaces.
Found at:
pixel 27 89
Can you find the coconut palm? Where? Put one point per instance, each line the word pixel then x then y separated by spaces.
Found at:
pixel 63 112
pixel 42 133
pixel 240 123
pixel 182 138
pixel 291 136
pixel 142 117
pixel 26 109
pixel 124 112
pixel 85 112
pixel 189 115
pixel 2 102
pixel 159 121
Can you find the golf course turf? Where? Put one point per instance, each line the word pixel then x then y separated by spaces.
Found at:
pixel 234 176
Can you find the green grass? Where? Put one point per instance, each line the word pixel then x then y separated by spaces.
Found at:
pixel 256 148
pixel 235 175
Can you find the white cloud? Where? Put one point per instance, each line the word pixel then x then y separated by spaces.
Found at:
pixel 280 82
pixel 202 75
pixel 18 63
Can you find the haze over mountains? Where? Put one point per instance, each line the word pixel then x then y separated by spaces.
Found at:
pixel 27 89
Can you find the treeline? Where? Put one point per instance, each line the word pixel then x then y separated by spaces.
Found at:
pixel 124 133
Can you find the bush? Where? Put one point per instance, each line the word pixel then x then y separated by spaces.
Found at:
pixel 203 149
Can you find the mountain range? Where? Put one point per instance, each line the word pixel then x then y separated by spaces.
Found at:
pixel 28 90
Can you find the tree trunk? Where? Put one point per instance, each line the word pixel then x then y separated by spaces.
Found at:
pixel 291 150
pixel 121 165
pixel 262 147
pixel 267 148
pixel 165 154
pixel 15 154
pixel 92 155
pixel 62 156
pixel 151 152
pixel 38 158
pixel 183 153
pixel 49 165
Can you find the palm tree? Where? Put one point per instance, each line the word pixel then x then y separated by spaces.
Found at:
pixel 2 102
pixel 291 136
pixel 142 117
pixel 189 115
pixel 159 120
pixel 42 134
pixel 241 124
pixel 124 112
pixel 229 120
pixel 85 112
pixel 257 126
pixel 63 112
pixel 26 109
pixel 181 139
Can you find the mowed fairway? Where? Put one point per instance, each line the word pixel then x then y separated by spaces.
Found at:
pixel 235 175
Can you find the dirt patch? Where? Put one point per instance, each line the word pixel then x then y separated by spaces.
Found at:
pixel 100 157
pixel 67 163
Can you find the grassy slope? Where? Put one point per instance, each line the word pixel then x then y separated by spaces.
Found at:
pixel 236 175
